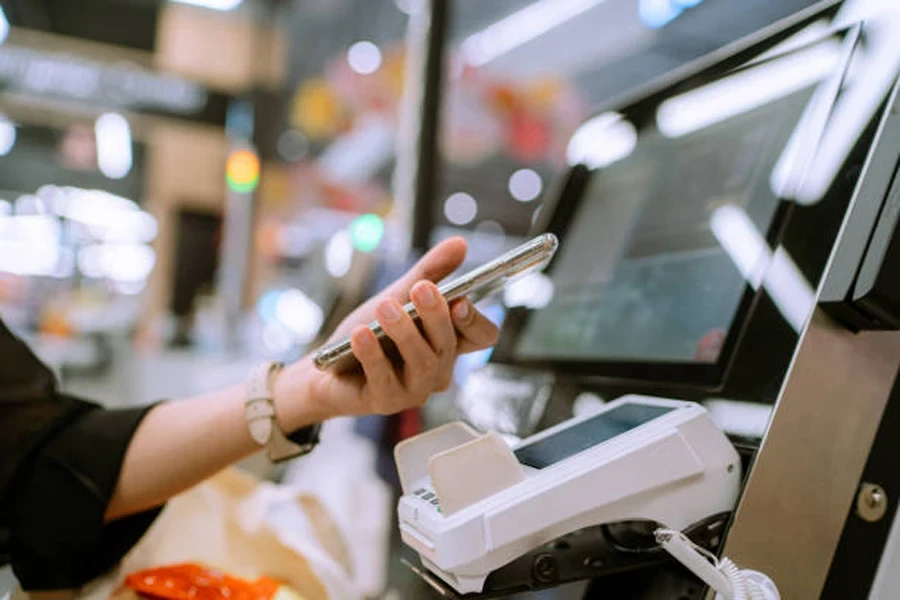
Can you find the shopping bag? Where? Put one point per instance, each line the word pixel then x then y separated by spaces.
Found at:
pixel 247 529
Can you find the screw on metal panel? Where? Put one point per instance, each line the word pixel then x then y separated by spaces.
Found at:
pixel 871 502
pixel 544 568
pixel 730 468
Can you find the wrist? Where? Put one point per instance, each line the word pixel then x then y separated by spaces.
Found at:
pixel 295 397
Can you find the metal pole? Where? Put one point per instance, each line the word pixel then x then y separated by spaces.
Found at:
pixel 245 132
pixel 234 263
pixel 426 174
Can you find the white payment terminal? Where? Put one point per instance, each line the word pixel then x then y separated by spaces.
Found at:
pixel 472 505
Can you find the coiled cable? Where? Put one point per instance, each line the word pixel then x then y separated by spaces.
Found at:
pixel 722 574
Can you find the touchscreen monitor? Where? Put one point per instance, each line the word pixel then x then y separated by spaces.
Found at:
pixel 673 231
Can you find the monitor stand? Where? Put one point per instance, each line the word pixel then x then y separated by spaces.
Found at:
pixel 805 477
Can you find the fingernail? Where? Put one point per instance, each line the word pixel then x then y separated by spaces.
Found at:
pixel 388 311
pixel 426 295
pixel 364 338
pixel 461 310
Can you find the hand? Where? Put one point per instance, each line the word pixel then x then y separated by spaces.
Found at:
pixel 428 357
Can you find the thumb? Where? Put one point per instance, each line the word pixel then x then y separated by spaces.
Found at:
pixel 437 263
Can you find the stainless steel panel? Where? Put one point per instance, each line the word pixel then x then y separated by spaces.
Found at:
pixel 804 479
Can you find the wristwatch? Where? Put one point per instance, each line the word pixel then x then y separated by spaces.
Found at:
pixel 262 420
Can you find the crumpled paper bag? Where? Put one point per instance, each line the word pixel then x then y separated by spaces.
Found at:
pixel 248 529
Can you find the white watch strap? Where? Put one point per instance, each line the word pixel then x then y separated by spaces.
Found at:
pixel 259 411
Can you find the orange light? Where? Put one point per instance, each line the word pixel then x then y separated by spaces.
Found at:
pixel 242 171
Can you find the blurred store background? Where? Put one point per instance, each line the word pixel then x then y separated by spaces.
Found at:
pixel 188 187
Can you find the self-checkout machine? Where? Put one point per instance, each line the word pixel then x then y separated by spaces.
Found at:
pixel 734 257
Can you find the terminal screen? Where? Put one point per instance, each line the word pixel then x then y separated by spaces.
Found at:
pixel 640 275
pixel 586 434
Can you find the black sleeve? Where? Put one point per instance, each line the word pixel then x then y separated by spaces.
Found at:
pixel 60 459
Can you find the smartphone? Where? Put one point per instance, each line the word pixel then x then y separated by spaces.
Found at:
pixel 477 284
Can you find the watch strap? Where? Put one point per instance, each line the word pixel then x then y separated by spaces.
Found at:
pixel 262 419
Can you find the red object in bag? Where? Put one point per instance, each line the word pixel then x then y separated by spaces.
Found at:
pixel 191 581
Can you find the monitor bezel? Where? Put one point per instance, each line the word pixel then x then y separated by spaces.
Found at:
pixel 638 107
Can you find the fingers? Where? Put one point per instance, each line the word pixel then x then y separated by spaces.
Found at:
pixel 434 314
pixel 380 375
pixel 437 263
pixel 420 360
pixel 476 332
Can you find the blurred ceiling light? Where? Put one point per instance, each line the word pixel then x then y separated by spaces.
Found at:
pixel 799 154
pixel 4 26
pixel 520 28
pixel 776 272
pixel 856 96
pixel 113 145
pixel 124 263
pixel 90 206
pixel 212 4
pixel 128 262
pixel 602 140
pixel 525 185
pixel 658 13
pixel 29 204
pixel 299 314
pixel 364 57
pixel 29 245
pixel 339 254
pixel 743 242
pixel 7 136
pixel 746 90
pixel 53 197
pixel 65 264
pixel 130 288
pixel 790 291
pixel 89 261
pixel 410 7
pixel 267 304
pixel 133 226
pixel 534 291
pixel 460 208
pixel 853 11
pixel 108 217
pixel 276 339
pixel 814 32
pixel 121 263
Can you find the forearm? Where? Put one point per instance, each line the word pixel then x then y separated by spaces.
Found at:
pixel 181 443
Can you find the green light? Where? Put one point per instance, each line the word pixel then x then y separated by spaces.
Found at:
pixel 242 171
pixel 366 232
pixel 241 187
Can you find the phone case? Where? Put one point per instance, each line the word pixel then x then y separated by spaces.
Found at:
pixel 476 284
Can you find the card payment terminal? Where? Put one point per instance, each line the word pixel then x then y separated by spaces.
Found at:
pixel 471 504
